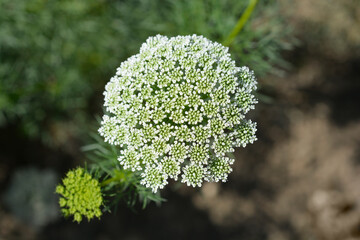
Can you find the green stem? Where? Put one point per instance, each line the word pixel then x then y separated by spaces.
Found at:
pixel 108 181
pixel 241 22
pixel 119 176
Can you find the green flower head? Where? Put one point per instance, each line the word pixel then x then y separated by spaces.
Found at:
pixel 177 109
pixel 80 195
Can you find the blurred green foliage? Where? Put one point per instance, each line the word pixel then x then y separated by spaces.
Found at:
pixel 56 55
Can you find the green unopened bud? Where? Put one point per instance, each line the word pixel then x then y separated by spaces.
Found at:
pixel 81 195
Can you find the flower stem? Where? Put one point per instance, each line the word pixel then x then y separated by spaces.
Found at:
pixel 119 176
pixel 241 22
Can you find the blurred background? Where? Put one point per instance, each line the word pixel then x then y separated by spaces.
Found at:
pixel 300 180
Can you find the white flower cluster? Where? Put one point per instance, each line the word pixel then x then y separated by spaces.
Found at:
pixel 177 108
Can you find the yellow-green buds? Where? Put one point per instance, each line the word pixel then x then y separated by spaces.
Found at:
pixel 81 195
